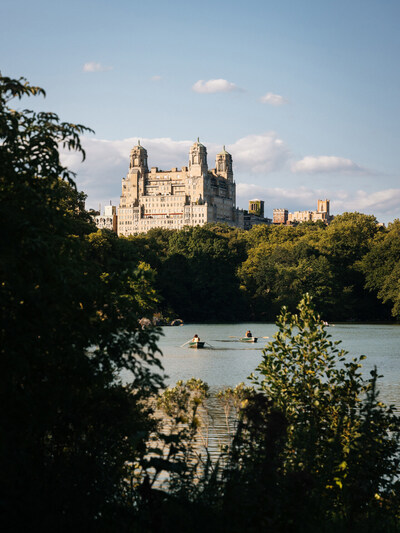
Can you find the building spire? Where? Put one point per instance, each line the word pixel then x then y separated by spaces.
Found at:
pixel 198 139
pixel 138 143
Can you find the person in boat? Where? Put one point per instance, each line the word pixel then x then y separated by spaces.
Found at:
pixel 196 338
pixel 248 333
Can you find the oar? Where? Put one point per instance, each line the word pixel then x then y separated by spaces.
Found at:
pixel 236 337
pixel 186 343
pixel 212 347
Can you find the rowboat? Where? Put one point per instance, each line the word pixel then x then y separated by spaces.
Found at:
pixel 248 339
pixel 196 344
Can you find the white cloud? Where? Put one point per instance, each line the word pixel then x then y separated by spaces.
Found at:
pixel 156 78
pixel 293 199
pixel 214 86
pixel 273 99
pixel 326 163
pixel 385 202
pixel 92 66
pixel 259 153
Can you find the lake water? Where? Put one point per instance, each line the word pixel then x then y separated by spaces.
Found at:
pixel 230 362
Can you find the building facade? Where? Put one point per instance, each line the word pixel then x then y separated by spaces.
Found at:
pixel 109 220
pixel 189 196
pixel 322 213
pixel 282 216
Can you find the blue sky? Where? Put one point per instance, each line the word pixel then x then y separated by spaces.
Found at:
pixel 305 95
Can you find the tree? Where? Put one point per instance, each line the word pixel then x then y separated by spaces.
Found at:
pixel 69 326
pixel 346 240
pixel 349 237
pixel 381 267
pixel 276 274
pixel 193 254
pixel 340 437
pixel 314 449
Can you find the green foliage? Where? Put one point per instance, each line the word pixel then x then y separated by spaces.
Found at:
pixel 278 274
pixel 381 267
pixel 334 445
pixel 349 236
pixel 310 380
pixel 170 492
pixel 347 239
pixel 182 415
pixel 263 269
pixel 69 309
pixel 183 261
pixel 285 262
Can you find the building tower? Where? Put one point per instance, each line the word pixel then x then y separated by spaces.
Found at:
pixel 133 185
pixel 323 207
pixel 198 160
pixel 256 207
pixel 223 165
pixel 138 159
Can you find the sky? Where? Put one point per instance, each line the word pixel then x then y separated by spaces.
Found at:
pixel 304 94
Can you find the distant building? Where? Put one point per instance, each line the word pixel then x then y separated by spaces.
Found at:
pixel 172 199
pixel 322 213
pixel 256 207
pixel 109 220
pixel 281 216
pixel 255 215
pixel 299 216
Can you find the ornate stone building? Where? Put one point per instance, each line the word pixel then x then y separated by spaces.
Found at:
pixel 189 196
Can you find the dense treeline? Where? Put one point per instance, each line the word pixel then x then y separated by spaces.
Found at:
pixel 312 448
pixel 217 273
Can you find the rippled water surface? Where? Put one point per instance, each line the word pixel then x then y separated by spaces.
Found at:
pixel 227 362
